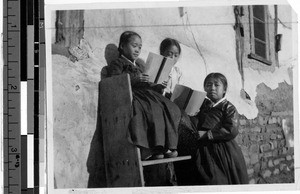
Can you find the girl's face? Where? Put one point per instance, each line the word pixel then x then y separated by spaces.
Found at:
pixel 215 89
pixel 172 52
pixel 132 49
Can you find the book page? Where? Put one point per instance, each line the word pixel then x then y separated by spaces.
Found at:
pixel 180 95
pixel 152 66
pixel 195 102
pixel 166 70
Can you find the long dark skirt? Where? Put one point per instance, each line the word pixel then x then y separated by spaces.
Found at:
pixel 211 164
pixel 221 164
pixel 154 121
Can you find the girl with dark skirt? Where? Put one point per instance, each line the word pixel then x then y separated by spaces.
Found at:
pixel 216 157
pixel 155 120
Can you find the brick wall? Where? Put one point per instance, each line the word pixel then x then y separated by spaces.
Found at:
pixel 268 154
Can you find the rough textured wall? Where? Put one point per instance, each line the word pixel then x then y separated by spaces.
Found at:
pixel 75 101
pixel 265 140
pixel 267 137
pixel 208 44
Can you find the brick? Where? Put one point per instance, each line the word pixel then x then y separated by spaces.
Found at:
pixel 276 171
pixel 272 120
pixel 242 130
pixel 246 140
pixel 284 151
pixel 276 162
pixel 264 148
pixel 266 173
pixel 275 153
pixel 275 144
pixel 288 158
pixel 268 154
pixel 270 164
pixel 263 165
pixel 252 181
pixel 282 113
pixel 256 129
pixel 254 148
pixel 250 171
pixel 281 144
pixel 257 168
pixel 253 137
pixel 247 160
pixel 291 166
pixel 243 122
pixel 272 128
pixel 282 167
pixel 279 121
pixel 260 137
pixel 239 139
pixel 273 136
pixel 262 120
pixel 253 158
pixel 291 150
pixel 267 136
pixel 271 145
pixel 254 121
pixel 279 136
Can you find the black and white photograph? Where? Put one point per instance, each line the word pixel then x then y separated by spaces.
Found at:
pixel 171 96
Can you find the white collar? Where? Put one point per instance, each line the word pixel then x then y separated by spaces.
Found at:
pixel 129 60
pixel 221 100
pixel 215 104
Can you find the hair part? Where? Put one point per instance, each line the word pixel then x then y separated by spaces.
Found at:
pixel 125 37
pixel 167 43
pixel 219 76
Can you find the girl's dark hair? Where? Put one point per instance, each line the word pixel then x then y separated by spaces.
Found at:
pixel 166 43
pixel 125 37
pixel 219 76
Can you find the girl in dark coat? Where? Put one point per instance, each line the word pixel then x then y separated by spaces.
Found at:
pixel 155 119
pixel 216 157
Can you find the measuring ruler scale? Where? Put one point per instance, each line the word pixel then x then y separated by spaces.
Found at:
pixel 23 80
pixel 11 97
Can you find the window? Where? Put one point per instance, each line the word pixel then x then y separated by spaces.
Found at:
pixel 260 43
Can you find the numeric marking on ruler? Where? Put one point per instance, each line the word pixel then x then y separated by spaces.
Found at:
pixel 11 96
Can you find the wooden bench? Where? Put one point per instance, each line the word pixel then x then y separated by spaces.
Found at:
pixel 123 164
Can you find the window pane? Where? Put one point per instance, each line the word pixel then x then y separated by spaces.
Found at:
pixel 259 30
pixel 260 49
pixel 258 12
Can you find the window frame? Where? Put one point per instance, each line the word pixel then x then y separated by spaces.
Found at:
pixel 253 54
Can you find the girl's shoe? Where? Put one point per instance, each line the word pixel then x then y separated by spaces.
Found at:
pixel 156 156
pixel 171 154
pixel 157 153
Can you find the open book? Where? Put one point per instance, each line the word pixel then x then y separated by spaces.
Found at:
pixel 158 67
pixel 188 99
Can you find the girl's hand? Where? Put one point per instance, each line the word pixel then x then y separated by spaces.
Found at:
pixel 164 83
pixel 143 78
pixel 140 78
pixel 158 88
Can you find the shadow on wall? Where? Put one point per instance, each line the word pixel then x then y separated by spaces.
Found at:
pixel 111 53
pixel 95 160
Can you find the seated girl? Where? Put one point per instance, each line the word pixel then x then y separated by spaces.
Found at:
pixel 155 120
pixel 171 48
